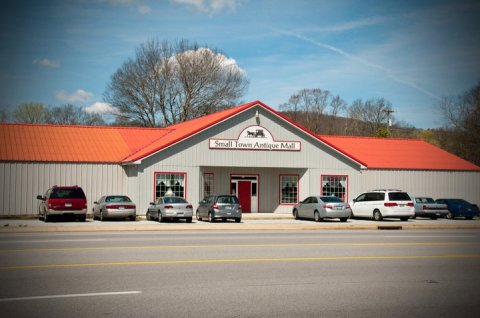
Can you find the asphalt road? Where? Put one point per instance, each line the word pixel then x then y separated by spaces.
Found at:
pixel 241 274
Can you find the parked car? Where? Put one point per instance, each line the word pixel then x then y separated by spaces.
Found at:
pixel 114 206
pixel 63 200
pixel 170 207
pixel 384 203
pixel 459 208
pixel 219 207
pixel 322 207
pixel 427 207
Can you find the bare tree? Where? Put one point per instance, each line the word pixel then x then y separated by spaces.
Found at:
pixel 73 115
pixel 169 83
pixel 310 104
pixel 368 117
pixel 461 134
pixel 31 113
pixel 3 115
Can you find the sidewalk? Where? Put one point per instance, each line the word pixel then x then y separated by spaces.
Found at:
pixel 253 221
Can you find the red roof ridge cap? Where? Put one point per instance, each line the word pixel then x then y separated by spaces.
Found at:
pixel 145 146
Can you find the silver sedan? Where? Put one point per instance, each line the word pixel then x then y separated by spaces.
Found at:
pixel 322 207
pixel 170 208
pixel 114 206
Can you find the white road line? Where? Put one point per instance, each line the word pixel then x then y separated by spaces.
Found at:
pixel 70 296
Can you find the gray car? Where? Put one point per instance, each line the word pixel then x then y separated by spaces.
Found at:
pixel 322 207
pixel 219 207
pixel 170 207
pixel 114 207
pixel 427 207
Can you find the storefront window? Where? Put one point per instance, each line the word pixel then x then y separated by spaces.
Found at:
pixel 207 184
pixel 169 184
pixel 335 185
pixel 288 189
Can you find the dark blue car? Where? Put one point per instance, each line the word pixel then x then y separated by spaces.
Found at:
pixel 459 208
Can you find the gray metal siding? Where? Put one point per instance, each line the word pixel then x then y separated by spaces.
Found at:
pixel 436 184
pixel 22 182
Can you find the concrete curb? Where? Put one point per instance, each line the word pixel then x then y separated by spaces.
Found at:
pixel 230 226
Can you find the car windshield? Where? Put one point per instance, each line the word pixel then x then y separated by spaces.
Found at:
pixel 398 196
pixel 170 200
pixel 459 201
pixel 331 199
pixel 73 193
pixel 227 199
pixel 118 198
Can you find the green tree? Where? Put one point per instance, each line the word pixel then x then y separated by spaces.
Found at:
pixel 31 113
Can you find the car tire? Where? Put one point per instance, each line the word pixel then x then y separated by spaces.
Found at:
pixel 46 218
pixel 316 216
pixel 351 215
pixel 133 217
pixel 210 217
pixel 147 216
pixel 469 217
pixel 189 220
pixel 102 218
pixel 160 217
pixel 238 220
pixel 343 219
pixel 404 219
pixel 377 216
pixel 82 218
pixel 433 217
pixel 450 216
pixel 295 214
pixel 197 214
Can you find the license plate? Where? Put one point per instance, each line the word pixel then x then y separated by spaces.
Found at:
pixel 339 208
pixel 68 205
pixel 401 205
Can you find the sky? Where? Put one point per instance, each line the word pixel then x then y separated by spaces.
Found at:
pixel 412 53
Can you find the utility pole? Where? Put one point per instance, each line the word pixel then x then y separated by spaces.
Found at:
pixel 389 120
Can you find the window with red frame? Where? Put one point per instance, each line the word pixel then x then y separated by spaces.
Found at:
pixel 207 184
pixel 288 189
pixel 172 184
pixel 335 185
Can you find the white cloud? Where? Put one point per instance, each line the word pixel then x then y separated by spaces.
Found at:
pixel 144 9
pixel 210 6
pixel 100 108
pixel 78 96
pixel 46 63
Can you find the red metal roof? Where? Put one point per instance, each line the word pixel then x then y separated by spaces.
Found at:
pixel 47 143
pixel 54 143
pixel 389 153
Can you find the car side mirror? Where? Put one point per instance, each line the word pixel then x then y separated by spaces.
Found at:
pixel 95 202
pixel 39 197
pixel 354 200
pixel 152 203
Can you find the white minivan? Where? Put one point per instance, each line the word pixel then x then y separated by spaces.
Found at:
pixel 385 203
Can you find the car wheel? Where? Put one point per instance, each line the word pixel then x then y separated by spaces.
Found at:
pixel 197 214
pixel 102 218
pixel 148 216
pixel 433 217
pixel 469 217
pixel 210 217
pixel 377 216
pixel 295 214
pixel 414 217
pixel 45 217
pixel 189 220
pixel 238 220
pixel 450 215
pixel 316 216
pixel 404 219
pixel 82 218
pixel 160 217
pixel 351 215
pixel 343 219
pixel 132 217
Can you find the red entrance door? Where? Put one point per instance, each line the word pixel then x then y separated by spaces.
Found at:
pixel 244 193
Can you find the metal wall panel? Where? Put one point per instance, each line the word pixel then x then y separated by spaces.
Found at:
pixel 436 184
pixel 22 182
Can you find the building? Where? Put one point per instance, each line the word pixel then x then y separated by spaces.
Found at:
pixel 266 159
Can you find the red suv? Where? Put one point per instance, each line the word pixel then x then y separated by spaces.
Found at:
pixel 63 200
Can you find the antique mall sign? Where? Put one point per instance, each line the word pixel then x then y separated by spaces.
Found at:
pixel 255 138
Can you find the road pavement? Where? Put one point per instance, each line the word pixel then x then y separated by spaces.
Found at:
pixel 197 273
